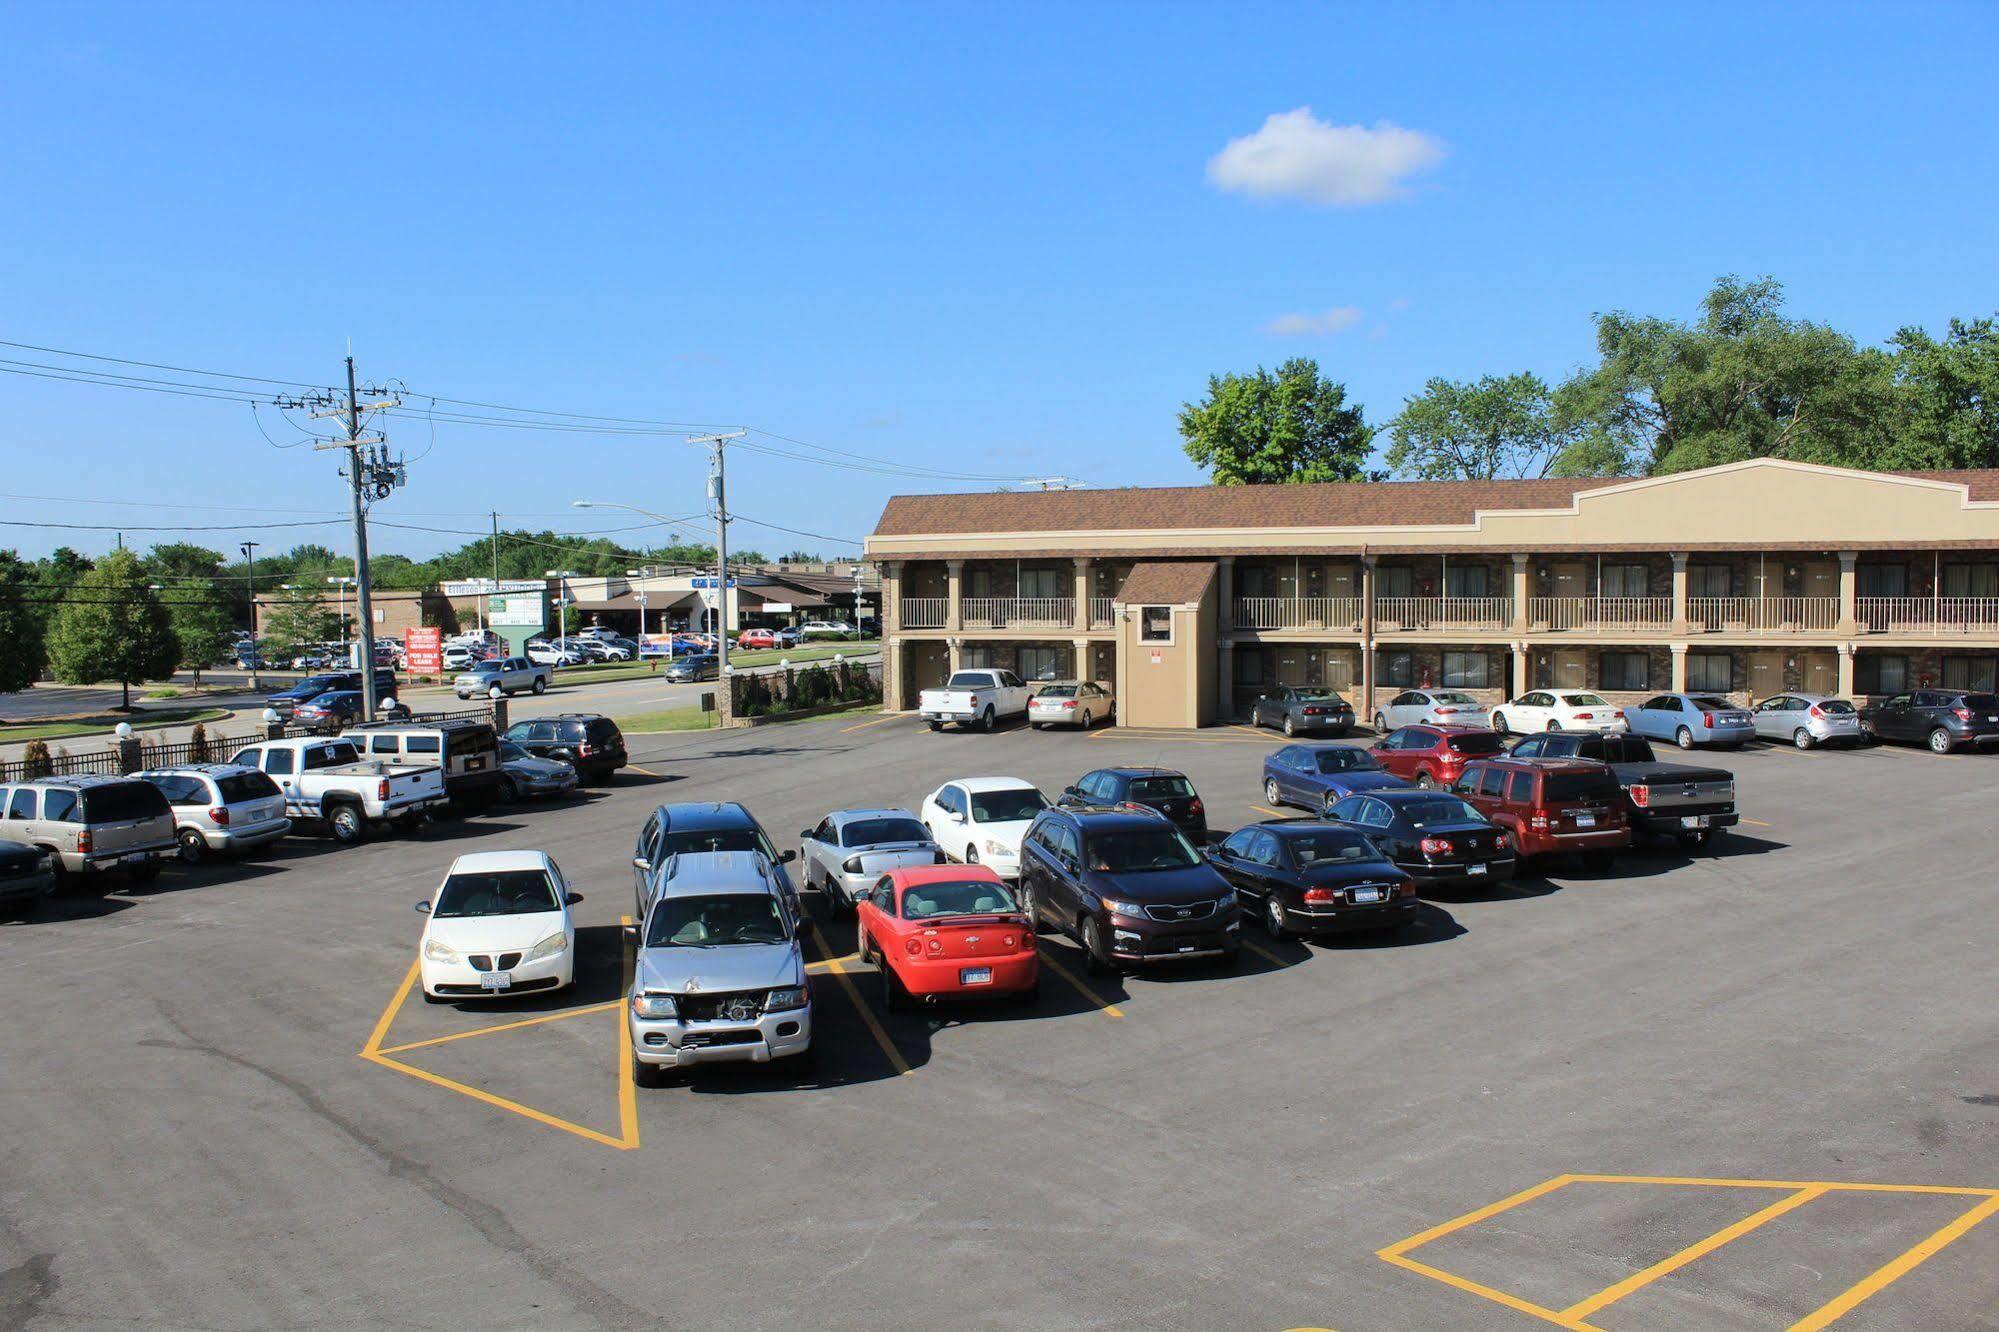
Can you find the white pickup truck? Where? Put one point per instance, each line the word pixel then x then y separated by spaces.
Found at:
pixel 329 780
pixel 981 698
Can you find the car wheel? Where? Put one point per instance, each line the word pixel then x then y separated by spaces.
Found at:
pixel 496 693
pixel 193 846
pixel 1554 725
pixel 1684 738
pixel 1273 920
pixel 540 685
pixel 1499 723
pixel 935 726
pixel 894 997
pixel 863 947
pixel 644 1075
pixel 347 824
pixel 986 720
pixel 1270 796
pixel 1424 780
pixel 1035 726
pixel 1095 960
pixel 1086 721
pixel 146 872
pixel 509 793
pixel 1939 741
pixel 1802 738
pixel 1380 724
pixel 971 856
pixel 1028 907
pixel 1290 727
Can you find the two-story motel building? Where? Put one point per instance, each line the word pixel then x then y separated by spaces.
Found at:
pixel 1750 579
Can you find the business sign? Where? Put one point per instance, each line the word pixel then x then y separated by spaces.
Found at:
pixel 522 611
pixel 486 587
pixel 423 651
pixel 656 645
pixel 709 583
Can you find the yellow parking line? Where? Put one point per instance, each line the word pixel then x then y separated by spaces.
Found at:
pixel 838 967
pixel 1108 1009
pixel 893 716
pixel 1238 726
pixel 1274 813
pixel 628 1091
pixel 374 1044
pixel 826 964
pixel 1496 1296
pixel 1665 1266
pixel 1834 1185
pixel 504 1026
pixel 1884 1275
pixel 647 771
pixel 1263 952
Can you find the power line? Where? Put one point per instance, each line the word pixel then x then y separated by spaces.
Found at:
pixel 154 365
pixel 162 527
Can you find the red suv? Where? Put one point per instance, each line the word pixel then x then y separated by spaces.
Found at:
pixel 756 638
pixel 1551 805
pixel 1435 754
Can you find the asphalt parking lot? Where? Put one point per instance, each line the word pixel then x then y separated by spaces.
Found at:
pixel 1752 1087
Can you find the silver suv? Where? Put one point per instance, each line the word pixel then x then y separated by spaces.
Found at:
pixel 90 823
pixel 720 976
pixel 501 675
pixel 221 808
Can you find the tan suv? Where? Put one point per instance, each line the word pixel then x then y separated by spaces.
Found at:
pixel 90 824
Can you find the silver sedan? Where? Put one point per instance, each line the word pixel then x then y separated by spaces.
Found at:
pixel 852 848
pixel 1807 720
pixel 1067 703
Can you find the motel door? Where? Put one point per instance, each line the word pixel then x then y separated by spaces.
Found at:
pixel 1821 669
pixel 1571 580
pixel 1766 674
pixel 1821 579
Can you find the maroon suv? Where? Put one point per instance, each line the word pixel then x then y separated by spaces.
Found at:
pixel 1551 805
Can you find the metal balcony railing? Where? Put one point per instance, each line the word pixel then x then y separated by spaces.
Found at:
pixel 925 612
pixel 1100 612
pixel 1415 614
pixel 1337 613
pixel 1019 612
pixel 1928 615
pixel 1545 614
pixel 1762 615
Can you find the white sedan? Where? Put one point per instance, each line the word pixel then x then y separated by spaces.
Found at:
pixel 981 820
pixel 1558 710
pixel 1414 707
pixel 499 925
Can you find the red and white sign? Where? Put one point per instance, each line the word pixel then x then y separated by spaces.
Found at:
pixel 1157 656
pixel 423 651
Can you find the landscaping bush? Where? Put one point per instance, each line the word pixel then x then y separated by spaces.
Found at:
pixel 35 760
pixel 197 744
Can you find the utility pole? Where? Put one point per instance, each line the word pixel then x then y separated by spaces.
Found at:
pixel 486 617
pixel 718 492
pixel 371 475
pixel 249 549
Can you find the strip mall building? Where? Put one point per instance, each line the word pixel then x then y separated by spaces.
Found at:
pixel 1750 580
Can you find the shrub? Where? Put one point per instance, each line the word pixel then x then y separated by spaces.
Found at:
pixel 197 744
pixel 35 760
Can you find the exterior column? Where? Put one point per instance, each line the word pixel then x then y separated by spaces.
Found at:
pixel 1522 663
pixel 1082 585
pixel 954 601
pixel 891 596
pixel 1849 599
pixel 1079 649
pixel 954 652
pixel 1225 679
pixel 1225 595
pixel 1680 597
pixel 1522 586
pixel 1678 684
pixel 894 693
pixel 1367 637
pixel 1845 686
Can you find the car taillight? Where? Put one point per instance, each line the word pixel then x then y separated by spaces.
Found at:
pixel 1320 896
pixel 1617 714
pixel 936 945
pixel 1315 712
pixel 1539 822
pixel 1436 846
pixel 1585 716
pixel 83 842
pixel 1407 888
pixel 912 946
pixel 1501 841
pixel 1069 705
pixel 1641 795
pixel 1707 720
pixel 585 750
pixel 382 789
pixel 1197 807
pixel 1814 710
pixel 1962 714
pixel 219 816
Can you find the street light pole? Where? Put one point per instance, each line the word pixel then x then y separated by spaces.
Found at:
pixel 249 549
pixel 562 577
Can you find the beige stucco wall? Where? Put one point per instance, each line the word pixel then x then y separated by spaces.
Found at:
pixel 1168 684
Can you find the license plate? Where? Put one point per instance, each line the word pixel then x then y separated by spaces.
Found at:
pixel 474 764
pixel 1585 820
pixel 975 976
pixel 1363 896
pixel 496 980
pixel 1694 821
pixel 136 860
pixel 1475 869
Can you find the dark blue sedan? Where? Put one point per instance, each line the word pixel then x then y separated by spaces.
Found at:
pixel 1314 776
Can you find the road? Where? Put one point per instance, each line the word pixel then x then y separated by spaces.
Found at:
pixel 1676 1071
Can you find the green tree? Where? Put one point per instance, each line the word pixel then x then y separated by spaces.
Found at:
pixel 299 614
pixel 1742 381
pixel 111 626
pixel 1294 425
pixel 20 625
pixel 1949 394
pixel 1477 430
pixel 203 626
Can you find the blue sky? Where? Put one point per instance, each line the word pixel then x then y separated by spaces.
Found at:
pixel 981 239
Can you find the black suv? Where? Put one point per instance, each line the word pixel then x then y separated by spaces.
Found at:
pixel 1128 885
pixel 587 742
pixel 1160 789
pixel 1943 719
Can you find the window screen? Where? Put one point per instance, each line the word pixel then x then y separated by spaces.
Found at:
pixel 1710 671
pixel 1974 673
pixel 1467 670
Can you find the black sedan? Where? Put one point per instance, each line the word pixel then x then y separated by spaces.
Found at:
pixel 1432 836
pixel 1307 877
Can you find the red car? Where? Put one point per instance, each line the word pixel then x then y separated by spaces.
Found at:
pixel 1434 754
pixel 947 932
pixel 756 638
pixel 1551 805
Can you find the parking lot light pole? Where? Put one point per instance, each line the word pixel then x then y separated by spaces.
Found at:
pixel 562 577
pixel 249 549
pixel 344 581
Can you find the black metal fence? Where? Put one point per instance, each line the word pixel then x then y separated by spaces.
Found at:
pixel 809 688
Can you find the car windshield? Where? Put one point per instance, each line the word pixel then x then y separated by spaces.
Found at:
pixel 1346 760
pixel 1452 698
pixel 967 898
pixel 1982 702
pixel 1579 786
pixel 495 893
pixel 1838 707
pixel 703 920
pixel 1318 848
pixel 509 750
pixel 1483 742
pixel 1175 787
pixel 1714 705
pixel 1006 806
pixel 1433 810
pixel 1584 701
pixel 715 839
pixel 1136 850
pixel 874 832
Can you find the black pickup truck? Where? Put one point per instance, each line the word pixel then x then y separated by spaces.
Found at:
pixel 1667 799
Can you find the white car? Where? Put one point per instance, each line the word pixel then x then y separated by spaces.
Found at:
pixel 1414 707
pixel 548 654
pixel 499 925
pixel 1081 703
pixel 981 820
pixel 1558 710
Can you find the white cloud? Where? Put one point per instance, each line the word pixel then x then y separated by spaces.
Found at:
pixel 1336 320
pixel 1298 156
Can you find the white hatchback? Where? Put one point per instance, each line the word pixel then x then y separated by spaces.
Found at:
pixel 1416 707
pixel 1558 710
pixel 981 820
pixel 499 925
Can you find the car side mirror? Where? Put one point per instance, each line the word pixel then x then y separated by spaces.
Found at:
pixel 786 857
pixel 631 929
pixel 572 899
pixel 423 908
pixel 640 862
pixel 805 836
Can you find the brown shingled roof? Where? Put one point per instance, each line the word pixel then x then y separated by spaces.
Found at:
pixel 1166 583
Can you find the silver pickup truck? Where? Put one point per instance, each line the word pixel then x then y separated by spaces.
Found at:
pixel 330 781
pixel 1665 799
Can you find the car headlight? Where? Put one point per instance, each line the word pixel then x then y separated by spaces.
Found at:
pixel 1226 902
pixel 793 996
pixel 439 951
pixel 1118 908
pixel 998 849
pixel 653 1006
pixel 852 865
pixel 549 947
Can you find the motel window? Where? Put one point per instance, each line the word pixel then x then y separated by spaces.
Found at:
pixel 1975 674
pixel 1249 666
pixel 1624 670
pixel 976 659
pixel 1041 663
pixel 1042 584
pixel 1624 580
pixel 1394 580
pixel 1466 670
pixel 1155 624
pixel 1971 580
pixel 1710 580
pixel 1710 672
pixel 1880 673
pixel 1398 669
pixel 1881 580
pixel 1467 580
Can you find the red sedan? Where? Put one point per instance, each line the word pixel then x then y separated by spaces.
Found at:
pixel 756 638
pixel 947 932
pixel 1435 754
